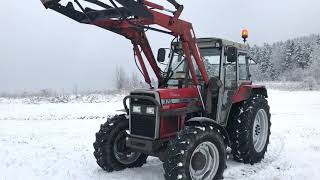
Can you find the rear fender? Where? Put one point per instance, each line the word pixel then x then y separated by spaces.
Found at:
pixel 246 91
pixel 207 121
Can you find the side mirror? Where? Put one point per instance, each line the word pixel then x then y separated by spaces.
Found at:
pixel 161 55
pixel 252 62
pixel 232 54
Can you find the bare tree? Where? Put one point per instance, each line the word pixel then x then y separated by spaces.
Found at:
pixel 135 82
pixel 45 93
pixel 75 90
pixel 120 78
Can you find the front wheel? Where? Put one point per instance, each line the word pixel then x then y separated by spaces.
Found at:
pixel 196 153
pixel 110 146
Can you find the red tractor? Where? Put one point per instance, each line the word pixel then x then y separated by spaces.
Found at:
pixel 204 102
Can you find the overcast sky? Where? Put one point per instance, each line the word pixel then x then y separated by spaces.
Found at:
pixel 43 49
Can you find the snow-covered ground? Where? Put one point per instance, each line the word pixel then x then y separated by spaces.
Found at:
pixel 54 141
pixel 26 109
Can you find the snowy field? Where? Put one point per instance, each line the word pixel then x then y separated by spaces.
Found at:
pixel 54 141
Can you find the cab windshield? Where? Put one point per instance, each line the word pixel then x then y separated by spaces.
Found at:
pixel 178 67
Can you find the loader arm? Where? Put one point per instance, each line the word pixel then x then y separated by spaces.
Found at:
pixel 131 20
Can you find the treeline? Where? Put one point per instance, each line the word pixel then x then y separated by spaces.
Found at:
pixel 51 93
pixel 296 60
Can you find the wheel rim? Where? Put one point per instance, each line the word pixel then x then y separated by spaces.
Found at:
pixel 204 162
pixel 260 130
pixel 120 150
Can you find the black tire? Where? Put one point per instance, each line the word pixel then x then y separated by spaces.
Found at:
pixel 104 145
pixel 180 152
pixel 240 129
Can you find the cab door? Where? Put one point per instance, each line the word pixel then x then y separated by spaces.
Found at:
pixel 230 79
pixel 235 74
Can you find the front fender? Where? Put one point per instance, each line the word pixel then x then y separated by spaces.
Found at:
pixel 207 121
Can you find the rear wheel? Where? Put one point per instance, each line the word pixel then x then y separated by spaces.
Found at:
pixel 249 130
pixel 110 146
pixel 196 153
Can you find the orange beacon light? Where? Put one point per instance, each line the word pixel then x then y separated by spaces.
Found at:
pixel 245 34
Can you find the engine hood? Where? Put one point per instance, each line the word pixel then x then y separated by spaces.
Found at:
pixel 172 98
pixel 172 93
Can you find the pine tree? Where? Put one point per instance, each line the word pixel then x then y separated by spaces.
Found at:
pixel 306 56
pixel 277 58
pixel 315 63
pixel 318 39
pixel 289 58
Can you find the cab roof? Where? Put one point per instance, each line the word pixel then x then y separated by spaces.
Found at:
pixel 214 42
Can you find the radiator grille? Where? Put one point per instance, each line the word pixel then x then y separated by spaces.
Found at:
pixel 143 124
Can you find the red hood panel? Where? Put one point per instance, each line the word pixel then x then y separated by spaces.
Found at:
pixel 191 92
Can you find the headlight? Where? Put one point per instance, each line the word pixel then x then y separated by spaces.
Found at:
pixel 136 109
pixel 150 110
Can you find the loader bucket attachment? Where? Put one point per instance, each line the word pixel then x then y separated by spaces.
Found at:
pixel 135 8
pixel 47 3
pixel 130 8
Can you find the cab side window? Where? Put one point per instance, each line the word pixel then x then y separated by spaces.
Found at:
pixel 230 75
pixel 243 71
pixel 212 64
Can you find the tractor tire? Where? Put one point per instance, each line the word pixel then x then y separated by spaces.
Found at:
pixel 109 147
pixel 198 152
pixel 249 130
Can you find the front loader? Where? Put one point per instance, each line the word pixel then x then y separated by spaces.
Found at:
pixel 204 101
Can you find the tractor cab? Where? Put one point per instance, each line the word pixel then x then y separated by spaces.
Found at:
pixel 226 63
pixel 219 57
